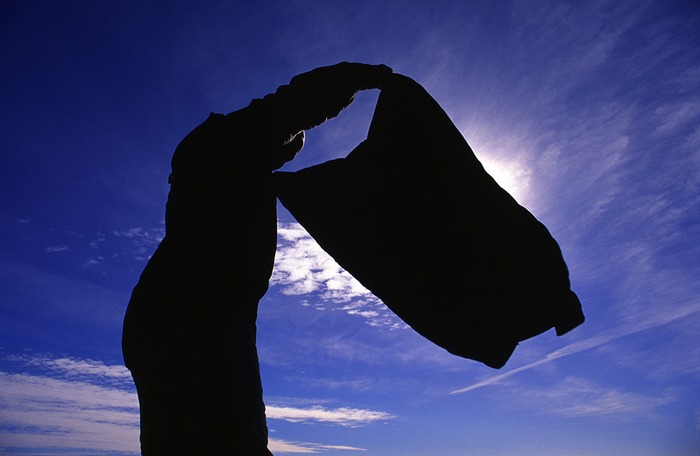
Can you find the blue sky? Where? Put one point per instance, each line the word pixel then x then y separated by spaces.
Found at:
pixel 587 112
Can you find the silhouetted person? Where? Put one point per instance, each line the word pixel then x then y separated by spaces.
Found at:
pixel 410 213
pixel 189 331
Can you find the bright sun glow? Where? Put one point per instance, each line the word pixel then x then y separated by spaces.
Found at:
pixel 512 176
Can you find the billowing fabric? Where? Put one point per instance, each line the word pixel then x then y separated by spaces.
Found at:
pixel 412 215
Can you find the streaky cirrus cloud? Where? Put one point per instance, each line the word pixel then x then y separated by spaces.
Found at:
pixel 75 367
pixel 81 405
pixel 576 397
pixel 624 329
pixel 343 416
pixel 286 447
pixel 41 411
pixel 56 248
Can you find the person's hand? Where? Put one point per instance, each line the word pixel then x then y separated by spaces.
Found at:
pixel 320 94
pixel 313 97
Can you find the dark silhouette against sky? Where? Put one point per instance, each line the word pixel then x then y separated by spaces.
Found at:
pixel 190 329
pixel 586 113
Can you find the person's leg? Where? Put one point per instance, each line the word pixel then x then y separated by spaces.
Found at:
pixel 221 394
pixel 209 401
pixel 163 430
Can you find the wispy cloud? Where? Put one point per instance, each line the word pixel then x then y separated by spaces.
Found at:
pixel 74 367
pixel 285 447
pixel 303 268
pixel 102 251
pixel 342 447
pixel 576 397
pixel 343 416
pixel 142 236
pixel 626 224
pixel 93 261
pixel 675 115
pixel 587 344
pixel 109 248
pixel 44 412
pixel 56 248
pixel 80 405
pixel 141 242
pixel 67 403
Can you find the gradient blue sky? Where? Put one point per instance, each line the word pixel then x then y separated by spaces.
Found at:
pixel 587 112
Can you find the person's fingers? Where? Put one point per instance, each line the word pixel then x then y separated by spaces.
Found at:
pixel 320 94
pixel 343 77
pixel 310 99
pixel 288 151
pixel 296 143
